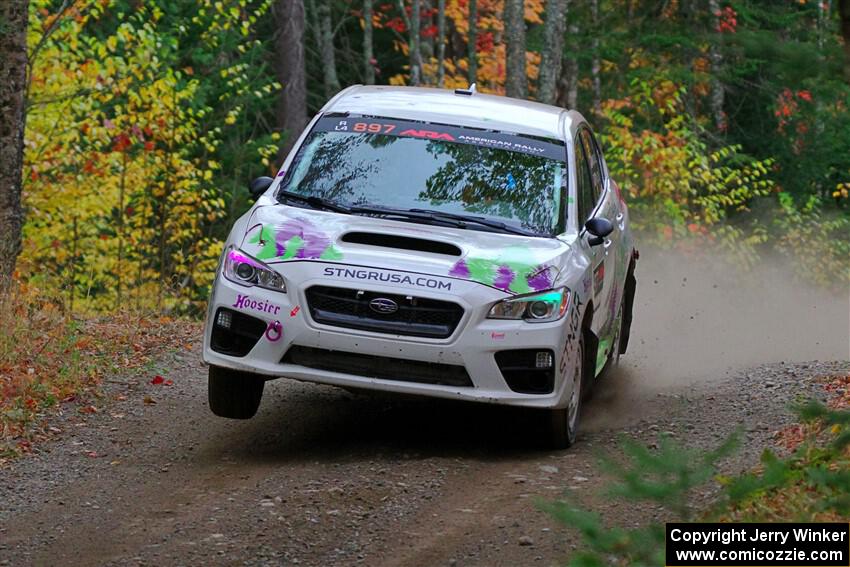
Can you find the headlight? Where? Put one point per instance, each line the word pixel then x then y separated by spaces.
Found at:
pixel 534 308
pixel 245 270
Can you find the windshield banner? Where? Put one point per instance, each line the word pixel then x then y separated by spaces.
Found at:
pixel 552 149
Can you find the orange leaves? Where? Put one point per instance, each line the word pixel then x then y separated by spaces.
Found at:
pixel 48 359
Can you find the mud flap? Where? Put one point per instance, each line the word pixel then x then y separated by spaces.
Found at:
pixel 628 305
pixel 591 347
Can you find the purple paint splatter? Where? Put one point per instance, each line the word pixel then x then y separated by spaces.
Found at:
pixel 541 279
pixel 504 277
pixel 314 242
pixel 460 269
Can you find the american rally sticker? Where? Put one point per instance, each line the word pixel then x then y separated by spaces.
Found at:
pixel 549 148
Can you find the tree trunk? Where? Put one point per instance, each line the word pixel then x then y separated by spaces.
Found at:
pixel 441 42
pixel 595 66
pixel 292 103
pixel 516 81
pixel 715 55
pixel 368 57
pixel 472 43
pixel 415 50
pixel 844 12
pixel 553 49
pixel 13 76
pixel 326 48
pixel 568 81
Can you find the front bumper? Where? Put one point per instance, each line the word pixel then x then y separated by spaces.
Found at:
pixel 473 345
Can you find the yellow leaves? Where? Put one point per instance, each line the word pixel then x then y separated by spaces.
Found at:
pixel 842 190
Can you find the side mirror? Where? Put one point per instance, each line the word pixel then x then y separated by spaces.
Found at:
pixel 599 227
pixel 258 186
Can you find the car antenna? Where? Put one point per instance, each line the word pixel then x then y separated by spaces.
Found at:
pixel 469 91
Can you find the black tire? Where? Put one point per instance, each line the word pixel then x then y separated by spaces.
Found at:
pixel 234 394
pixel 563 423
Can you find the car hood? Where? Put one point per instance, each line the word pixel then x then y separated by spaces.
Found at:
pixel 512 263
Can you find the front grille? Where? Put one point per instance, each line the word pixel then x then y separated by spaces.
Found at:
pixel 382 367
pixel 415 316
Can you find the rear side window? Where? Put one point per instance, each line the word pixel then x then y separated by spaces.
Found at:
pixel 594 161
pixel 586 199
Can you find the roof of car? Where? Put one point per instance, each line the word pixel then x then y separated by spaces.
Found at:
pixel 445 106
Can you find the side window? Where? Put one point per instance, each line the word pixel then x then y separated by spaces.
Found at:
pixel 594 160
pixel 586 200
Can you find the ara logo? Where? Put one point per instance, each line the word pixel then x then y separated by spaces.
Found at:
pixel 429 134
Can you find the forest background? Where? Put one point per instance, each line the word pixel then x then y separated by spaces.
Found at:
pixel 725 122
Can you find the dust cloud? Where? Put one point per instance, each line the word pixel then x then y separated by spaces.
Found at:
pixel 701 319
pixel 698 318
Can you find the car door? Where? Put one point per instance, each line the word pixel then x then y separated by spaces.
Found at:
pixel 598 202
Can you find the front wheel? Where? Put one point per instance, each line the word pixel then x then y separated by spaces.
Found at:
pixel 563 422
pixel 233 393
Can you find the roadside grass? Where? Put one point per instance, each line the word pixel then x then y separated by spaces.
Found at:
pixel 54 362
pixel 804 478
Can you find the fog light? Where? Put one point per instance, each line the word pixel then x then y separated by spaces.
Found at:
pixel 224 319
pixel 543 360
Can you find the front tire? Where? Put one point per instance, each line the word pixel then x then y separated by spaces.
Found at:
pixel 234 394
pixel 563 422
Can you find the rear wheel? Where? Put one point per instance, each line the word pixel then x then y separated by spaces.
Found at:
pixel 563 422
pixel 233 393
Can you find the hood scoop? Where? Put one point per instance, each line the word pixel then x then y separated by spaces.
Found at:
pixel 402 243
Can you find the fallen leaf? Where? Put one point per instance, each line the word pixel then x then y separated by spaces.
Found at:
pixel 157 380
pixel 92 454
pixel 149 400
pixel 169 382
pixel 88 409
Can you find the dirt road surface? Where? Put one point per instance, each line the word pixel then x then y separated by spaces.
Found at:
pixel 325 477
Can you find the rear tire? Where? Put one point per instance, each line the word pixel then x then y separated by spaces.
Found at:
pixel 234 394
pixel 563 422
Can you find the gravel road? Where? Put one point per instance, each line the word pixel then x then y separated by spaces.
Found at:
pixel 325 477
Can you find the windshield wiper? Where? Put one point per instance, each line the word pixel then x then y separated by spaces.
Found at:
pixel 315 202
pixel 429 216
pixel 479 220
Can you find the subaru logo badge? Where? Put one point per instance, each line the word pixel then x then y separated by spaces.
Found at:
pixel 383 305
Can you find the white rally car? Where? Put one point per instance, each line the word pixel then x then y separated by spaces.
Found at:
pixel 432 242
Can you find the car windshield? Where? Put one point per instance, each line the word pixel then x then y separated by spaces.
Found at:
pixel 517 180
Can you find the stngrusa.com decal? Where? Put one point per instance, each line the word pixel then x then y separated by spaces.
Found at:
pixel 363 274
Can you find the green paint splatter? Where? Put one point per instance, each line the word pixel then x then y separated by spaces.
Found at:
pixel 291 247
pixel 601 355
pixel 266 236
pixel 331 253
